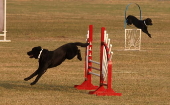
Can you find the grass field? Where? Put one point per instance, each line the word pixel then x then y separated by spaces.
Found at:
pixel 142 77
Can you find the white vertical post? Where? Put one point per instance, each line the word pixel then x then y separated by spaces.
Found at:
pixel 140 40
pixel 4 31
pixel 4 19
pixel 125 38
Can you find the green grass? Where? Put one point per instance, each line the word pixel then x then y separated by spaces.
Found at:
pixel 51 23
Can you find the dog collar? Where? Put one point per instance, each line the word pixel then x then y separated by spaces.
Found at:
pixel 40 54
pixel 144 23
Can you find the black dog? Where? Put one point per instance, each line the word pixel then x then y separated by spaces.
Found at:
pixel 49 59
pixel 141 24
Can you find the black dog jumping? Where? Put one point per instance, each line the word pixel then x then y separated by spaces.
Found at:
pixel 141 24
pixel 49 59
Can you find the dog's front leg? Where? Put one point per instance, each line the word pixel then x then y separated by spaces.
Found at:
pixel 37 78
pixel 42 69
pixel 145 30
pixel 31 76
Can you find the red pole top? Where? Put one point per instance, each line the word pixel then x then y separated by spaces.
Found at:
pixel 102 34
pixel 90 33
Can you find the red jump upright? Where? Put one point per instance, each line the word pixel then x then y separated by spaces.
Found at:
pixel 105 86
pixel 87 84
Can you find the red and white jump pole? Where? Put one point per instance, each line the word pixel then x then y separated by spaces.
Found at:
pixel 105 67
pixel 87 84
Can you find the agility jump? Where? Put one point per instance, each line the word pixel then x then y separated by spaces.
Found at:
pixel 132 36
pixel 105 66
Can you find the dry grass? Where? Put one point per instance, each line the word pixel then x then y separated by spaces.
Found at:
pixel 141 76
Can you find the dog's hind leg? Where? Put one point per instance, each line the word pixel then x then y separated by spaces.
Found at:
pixel 31 76
pixel 79 55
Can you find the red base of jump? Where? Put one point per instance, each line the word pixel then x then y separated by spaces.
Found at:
pixel 86 86
pixel 101 91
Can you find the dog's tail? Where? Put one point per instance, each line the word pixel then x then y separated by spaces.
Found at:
pixel 81 44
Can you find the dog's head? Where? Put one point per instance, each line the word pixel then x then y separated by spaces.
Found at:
pixel 148 21
pixel 34 53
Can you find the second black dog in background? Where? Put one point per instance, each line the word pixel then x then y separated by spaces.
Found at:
pixel 141 24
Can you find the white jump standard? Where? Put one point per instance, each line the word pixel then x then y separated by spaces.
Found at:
pixel 3 21
pixel 105 67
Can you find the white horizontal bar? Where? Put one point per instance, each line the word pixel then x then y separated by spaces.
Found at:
pixel 94 74
pixel 94 68
pixel 132 29
pixel 94 62
pixel 2 34
pixel 5 40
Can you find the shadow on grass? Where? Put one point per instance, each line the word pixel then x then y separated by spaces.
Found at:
pixel 24 86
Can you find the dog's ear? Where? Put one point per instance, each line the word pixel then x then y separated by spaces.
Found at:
pixel 39 47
